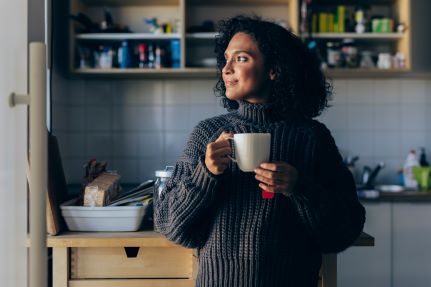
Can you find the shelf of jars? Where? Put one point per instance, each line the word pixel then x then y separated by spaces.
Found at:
pixel 160 41
pixel 358 38
pixel 147 73
pixel 362 36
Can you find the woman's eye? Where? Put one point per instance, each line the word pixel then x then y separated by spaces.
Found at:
pixel 241 59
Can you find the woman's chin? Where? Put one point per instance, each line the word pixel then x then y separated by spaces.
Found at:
pixel 233 97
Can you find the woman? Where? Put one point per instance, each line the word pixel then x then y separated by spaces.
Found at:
pixel 270 83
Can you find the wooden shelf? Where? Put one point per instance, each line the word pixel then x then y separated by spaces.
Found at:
pixel 206 35
pixel 363 36
pixel 212 72
pixel 238 2
pixel 126 36
pixel 129 2
pixel 148 73
pixel 354 2
pixel 364 73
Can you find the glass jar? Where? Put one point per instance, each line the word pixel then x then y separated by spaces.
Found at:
pixel 333 55
pixel 162 178
pixel 350 53
pixel 367 60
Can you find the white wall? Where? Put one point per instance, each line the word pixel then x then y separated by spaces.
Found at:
pixel 139 126
pixel 13 200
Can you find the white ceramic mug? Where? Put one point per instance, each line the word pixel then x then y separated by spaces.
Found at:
pixel 251 149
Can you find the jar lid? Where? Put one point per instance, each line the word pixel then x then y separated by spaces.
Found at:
pixel 167 172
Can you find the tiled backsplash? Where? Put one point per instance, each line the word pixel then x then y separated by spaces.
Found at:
pixel 139 126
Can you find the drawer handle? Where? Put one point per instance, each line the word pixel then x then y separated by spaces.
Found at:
pixel 131 252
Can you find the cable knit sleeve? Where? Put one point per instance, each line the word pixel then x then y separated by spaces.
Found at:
pixel 326 199
pixel 181 211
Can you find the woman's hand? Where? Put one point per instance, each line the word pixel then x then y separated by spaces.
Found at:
pixel 216 154
pixel 279 177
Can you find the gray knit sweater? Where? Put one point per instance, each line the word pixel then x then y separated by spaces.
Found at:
pixel 244 240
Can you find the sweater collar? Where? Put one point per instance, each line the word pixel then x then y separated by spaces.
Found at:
pixel 258 113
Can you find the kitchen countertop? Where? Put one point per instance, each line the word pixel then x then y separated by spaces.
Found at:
pixel 404 196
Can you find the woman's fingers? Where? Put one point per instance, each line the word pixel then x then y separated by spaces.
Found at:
pixel 270 181
pixel 276 177
pixel 221 152
pixel 276 166
pixel 216 153
pixel 224 136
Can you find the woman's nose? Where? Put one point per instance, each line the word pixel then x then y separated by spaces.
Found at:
pixel 227 67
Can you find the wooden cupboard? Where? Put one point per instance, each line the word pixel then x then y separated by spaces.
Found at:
pixel 187 20
pixel 144 259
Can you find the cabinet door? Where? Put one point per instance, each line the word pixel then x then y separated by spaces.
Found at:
pixel 369 266
pixel 411 244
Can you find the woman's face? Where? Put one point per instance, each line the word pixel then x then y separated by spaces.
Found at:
pixel 244 74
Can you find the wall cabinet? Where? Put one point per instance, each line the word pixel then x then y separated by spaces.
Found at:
pixel 176 37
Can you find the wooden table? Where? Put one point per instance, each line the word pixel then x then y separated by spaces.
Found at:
pixel 108 259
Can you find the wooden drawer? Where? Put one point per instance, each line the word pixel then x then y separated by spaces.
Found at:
pixel 131 262
pixel 133 283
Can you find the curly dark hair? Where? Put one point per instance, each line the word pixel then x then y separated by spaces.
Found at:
pixel 300 88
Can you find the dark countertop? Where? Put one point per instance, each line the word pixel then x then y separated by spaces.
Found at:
pixel 404 196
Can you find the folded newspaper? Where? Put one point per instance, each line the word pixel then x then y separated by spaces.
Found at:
pixel 140 193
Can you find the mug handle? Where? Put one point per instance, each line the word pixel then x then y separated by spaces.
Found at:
pixel 231 157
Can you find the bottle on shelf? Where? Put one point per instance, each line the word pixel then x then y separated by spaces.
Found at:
pixel 158 58
pixel 423 158
pixel 175 54
pixel 151 56
pixel 142 61
pixel 123 55
pixel 409 178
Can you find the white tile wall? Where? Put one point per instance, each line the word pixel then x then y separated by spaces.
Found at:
pixel 142 125
pixel 385 118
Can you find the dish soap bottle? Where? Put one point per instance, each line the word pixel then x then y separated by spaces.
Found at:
pixel 409 178
pixel 423 158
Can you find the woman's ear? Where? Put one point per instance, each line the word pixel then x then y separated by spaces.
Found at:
pixel 272 75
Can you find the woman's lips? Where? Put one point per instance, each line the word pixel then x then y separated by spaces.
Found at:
pixel 230 83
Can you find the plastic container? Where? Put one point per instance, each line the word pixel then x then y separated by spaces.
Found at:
pixel 107 218
pixel 409 178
